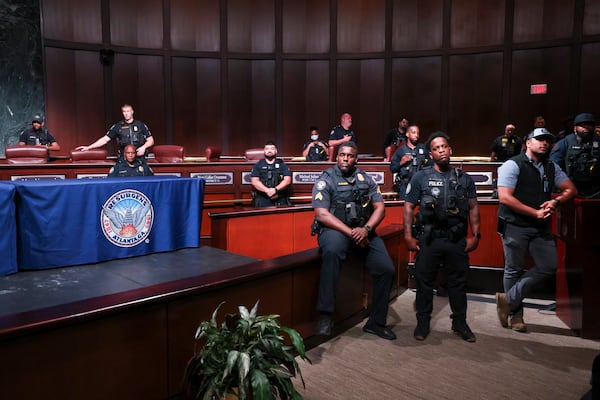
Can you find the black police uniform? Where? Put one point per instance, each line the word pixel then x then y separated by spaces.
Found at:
pixel 123 169
pixel 581 162
pixel 349 199
pixel 443 200
pixel 394 137
pixel 270 175
pixel 134 133
pixel 338 132
pixel 32 137
pixel 317 152
pixel 405 172
pixel 506 147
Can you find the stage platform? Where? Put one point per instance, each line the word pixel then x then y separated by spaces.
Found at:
pixel 35 290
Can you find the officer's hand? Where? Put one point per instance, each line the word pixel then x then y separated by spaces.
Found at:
pixel 271 192
pixel 140 152
pixel 412 244
pixel 406 159
pixel 472 243
pixel 360 236
pixel 543 213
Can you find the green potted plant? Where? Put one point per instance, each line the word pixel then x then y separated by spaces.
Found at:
pixel 246 356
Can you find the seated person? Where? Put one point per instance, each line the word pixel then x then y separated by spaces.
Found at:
pixel 131 165
pixel 317 149
pixel 271 179
pixel 507 145
pixel 38 135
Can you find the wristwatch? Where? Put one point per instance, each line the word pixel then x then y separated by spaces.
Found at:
pixel 477 235
pixel 368 228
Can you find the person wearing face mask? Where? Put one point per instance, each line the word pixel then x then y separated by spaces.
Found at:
pixel 316 149
pixel 578 154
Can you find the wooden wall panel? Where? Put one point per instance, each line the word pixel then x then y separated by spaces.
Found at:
pixel 537 20
pixel 74 101
pixel 591 17
pixel 588 91
pixel 197 101
pixel 416 92
pixel 360 85
pixel 251 26
pixel 74 21
pixel 477 23
pixel 305 102
pixel 195 25
pixel 139 81
pixel 137 23
pixel 305 26
pixel 549 66
pixel 417 25
pixel 474 118
pixel 361 26
pixel 251 104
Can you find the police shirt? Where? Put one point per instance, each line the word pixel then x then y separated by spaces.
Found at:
pixel 506 147
pixel 31 137
pixel 339 132
pixel 123 169
pixel 325 186
pixel 420 158
pixel 270 174
pixel 134 133
pixel 317 152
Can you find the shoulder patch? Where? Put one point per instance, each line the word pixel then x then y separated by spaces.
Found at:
pixel 360 177
pixel 319 196
pixel 408 188
pixel 321 185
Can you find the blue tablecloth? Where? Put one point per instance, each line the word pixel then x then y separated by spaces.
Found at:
pixel 70 222
pixel 8 239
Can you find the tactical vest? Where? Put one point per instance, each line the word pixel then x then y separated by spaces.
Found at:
pixel 317 153
pixel 581 162
pixel 37 137
pixel 350 200
pixel 445 207
pixel 130 133
pixel 531 189
pixel 271 174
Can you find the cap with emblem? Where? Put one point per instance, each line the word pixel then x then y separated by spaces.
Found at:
pixel 584 119
pixel 37 118
pixel 541 134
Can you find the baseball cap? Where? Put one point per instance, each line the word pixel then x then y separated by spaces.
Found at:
pixel 584 119
pixel 540 134
pixel 37 118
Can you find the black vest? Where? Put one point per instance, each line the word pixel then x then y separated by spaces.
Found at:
pixel 445 202
pixel 350 200
pixel 531 189
pixel 581 163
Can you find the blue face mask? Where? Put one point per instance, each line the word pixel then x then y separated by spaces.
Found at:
pixel 314 137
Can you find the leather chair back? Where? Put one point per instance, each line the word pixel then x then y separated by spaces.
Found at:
pixel 212 153
pixel 389 152
pixel 26 154
pixel 89 157
pixel 168 153
pixel 257 153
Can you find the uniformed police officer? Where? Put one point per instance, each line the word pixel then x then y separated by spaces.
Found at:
pixel 507 145
pixel 342 133
pixel 348 207
pixel 447 202
pixel 38 135
pixel 578 154
pixel 130 165
pixel 408 159
pixel 271 178
pixel 128 131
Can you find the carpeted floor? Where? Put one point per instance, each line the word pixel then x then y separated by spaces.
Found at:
pixel 547 362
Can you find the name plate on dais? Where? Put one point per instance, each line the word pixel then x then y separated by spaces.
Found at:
pixel 214 178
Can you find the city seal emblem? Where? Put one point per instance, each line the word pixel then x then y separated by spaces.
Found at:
pixel 127 218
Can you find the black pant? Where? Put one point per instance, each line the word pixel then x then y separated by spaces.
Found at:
pixel 455 261
pixel 334 247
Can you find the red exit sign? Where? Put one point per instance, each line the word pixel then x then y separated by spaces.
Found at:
pixel 538 88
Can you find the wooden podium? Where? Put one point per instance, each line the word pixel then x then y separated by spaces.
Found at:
pixel 578 274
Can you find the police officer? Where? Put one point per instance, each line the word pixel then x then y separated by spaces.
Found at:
pixel 408 159
pixel 507 145
pixel 578 154
pixel 38 135
pixel 348 207
pixel 128 131
pixel 316 149
pixel 447 202
pixel 271 178
pixel 342 133
pixel 130 165
pixel 525 186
